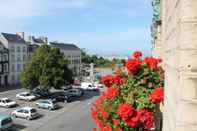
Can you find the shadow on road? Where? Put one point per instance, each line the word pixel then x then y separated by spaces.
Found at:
pixel 88 94
pixel 8 88
pixel 18 127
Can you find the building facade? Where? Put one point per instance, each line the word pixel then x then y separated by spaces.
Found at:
pixel 17 47
pixel 72 53
pixel 179 47
pixel 4 65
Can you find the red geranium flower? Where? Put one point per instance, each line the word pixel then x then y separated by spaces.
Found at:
pixel 118 80
pixel 158 95
pixel 108 80
pixel 107 128
pixel 146 118
pixel 116 122
pixel 95 114
pixel 125 111
pixel 104 114
pixel 118 129
pixel 137 54
pixel 133 65
pixel 152 62
pixel 112 92
pixel 134 120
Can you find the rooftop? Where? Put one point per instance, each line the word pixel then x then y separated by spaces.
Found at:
pixel 64 46
pixel 38 40
pixel 13 38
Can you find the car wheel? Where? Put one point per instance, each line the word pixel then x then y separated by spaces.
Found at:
pixel 65 101
pixel 50 108
pixel 28 118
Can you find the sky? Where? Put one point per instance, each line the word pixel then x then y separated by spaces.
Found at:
pixel 102 27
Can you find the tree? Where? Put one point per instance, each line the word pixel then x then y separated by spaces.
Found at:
pixel 47 68
pixel 85 58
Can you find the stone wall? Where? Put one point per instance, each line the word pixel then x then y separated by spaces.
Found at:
pixel 179 40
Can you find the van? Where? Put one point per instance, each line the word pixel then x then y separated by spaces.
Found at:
pixel 5 122
pixel 88 86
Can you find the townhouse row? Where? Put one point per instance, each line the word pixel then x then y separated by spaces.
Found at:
pixel 16 50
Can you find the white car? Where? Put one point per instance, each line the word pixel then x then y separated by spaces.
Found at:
pixel 88 86
pixel 26 113
pixel 5 102
pixel 25 96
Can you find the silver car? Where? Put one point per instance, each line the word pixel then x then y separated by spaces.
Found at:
pixel 26 113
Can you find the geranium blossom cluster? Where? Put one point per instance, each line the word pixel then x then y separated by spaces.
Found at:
pixel 129 103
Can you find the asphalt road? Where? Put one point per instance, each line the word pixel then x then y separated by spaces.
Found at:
pixel 74 116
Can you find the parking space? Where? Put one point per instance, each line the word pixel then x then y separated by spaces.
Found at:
pixel 47 116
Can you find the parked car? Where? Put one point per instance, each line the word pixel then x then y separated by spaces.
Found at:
pixel 73 94
pixel 26 96
pixel 38 92
pixel 67 87
pixel 47 104
pixel 26 113
pixel 88 86
pixel 5 102
pixel 5 122
pixel 59 97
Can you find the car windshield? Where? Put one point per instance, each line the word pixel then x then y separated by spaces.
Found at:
pixel 6 121
pixel 27 94
pixel 8 100
pixel 33 110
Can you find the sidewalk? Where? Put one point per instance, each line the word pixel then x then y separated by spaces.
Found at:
pixel 9 88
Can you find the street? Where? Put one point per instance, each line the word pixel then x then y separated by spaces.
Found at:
pixel 74 116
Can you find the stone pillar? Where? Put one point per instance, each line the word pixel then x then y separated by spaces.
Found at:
pixel 179 36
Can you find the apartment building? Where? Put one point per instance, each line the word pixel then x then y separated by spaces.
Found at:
pixel 72 53
pixel 4 65
pixel 17 47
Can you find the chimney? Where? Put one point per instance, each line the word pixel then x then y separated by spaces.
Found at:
pixel 45 39
pixel 31 39
pixel 21 34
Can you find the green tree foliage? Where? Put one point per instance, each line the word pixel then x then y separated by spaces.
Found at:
pixel 98 61
pixel 47 68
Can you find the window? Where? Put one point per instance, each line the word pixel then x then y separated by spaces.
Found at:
pixel 18 49
pixel 12 49
pixel 12 57
pixel 5 66
pixel 13 68
pixel 5 57
pixel 24 57
pixel 13 78
pixel 18 58
pixel 1 68
pixel 24 49
pixel 6 121
pixel 18 67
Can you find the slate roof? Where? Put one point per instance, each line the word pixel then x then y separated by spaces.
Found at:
pixel 65 46
pixel 38 40
pixel 4 49
pixel 13 38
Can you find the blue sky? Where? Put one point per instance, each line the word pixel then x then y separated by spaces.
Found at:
pixel 100 26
